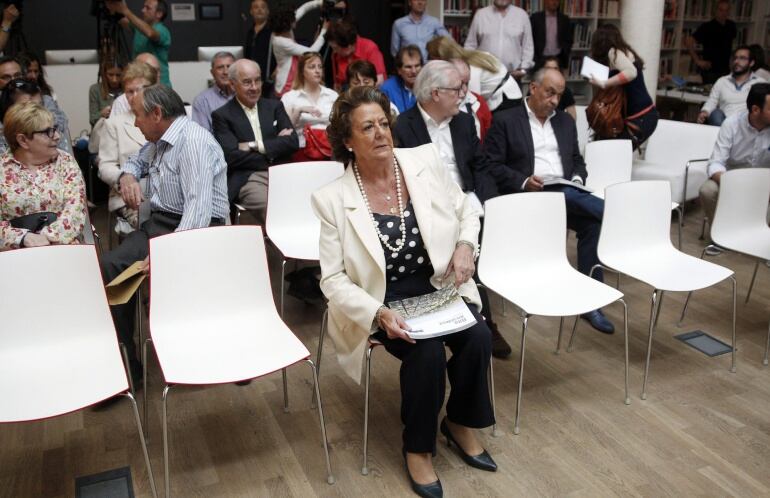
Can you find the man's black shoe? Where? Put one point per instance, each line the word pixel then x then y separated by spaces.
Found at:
pixel 598 321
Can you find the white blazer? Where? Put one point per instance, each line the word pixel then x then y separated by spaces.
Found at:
pixel 119 140
pixel 352 258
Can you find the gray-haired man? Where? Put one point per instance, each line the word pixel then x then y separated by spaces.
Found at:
pixel 218 94
pixel 187 189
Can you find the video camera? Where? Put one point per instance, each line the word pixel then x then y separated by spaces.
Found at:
pixel 331 13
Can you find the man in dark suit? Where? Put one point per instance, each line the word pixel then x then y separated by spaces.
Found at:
pixel 436 118
pixel 551 34
pixel 531 144
pixel 254 134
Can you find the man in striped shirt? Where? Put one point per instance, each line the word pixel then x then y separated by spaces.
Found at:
pixel 187 189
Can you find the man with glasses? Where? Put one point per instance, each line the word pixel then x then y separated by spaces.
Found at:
pixel 437 119
pixel 534 148
pixel 728 95
pixel 254 133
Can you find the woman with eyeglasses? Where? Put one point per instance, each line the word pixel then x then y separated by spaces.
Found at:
pixel 42 193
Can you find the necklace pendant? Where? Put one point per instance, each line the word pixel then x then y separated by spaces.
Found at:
pixel 392 210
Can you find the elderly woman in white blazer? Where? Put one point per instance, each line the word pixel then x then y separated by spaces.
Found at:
pixel 395 225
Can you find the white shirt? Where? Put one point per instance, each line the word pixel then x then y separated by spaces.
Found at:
pixel 728 96
pixel 488 85
pixel 740 145
pixel 471 99
pixel 252 114
pixel 120 106
pixel 299 98
pixel 508 37
pixel 286 48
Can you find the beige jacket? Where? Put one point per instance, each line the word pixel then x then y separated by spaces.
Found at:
pixel 353 261
pixel 119 140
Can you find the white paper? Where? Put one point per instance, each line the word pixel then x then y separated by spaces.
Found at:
pixel 592 68
pixel 449 319
pixel 561 181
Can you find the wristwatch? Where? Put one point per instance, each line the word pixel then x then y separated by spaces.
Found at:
pixel 253 146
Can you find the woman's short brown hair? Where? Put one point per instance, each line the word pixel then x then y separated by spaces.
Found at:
pixel 340 128
pixel 299 78
pixel 25 119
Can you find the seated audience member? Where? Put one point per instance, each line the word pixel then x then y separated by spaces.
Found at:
pixel 473 103
pixel 120 105
pixel 398 88
pixel 120 139
pixel 567 101
pixel 34 72
pixel 38 178
pixel 489 77
pixel 187 189
pixel 363 73
pixel 743 142
pixel 16 92
pixel 347 46
pixel 533 143
pixel 760 65
pixel 437 119
pixel 287 51
pixel 102 94
pixel 416 28
pixel 373 250
pixel 254 134
pixel 728 95
pixel 218 94
pixel 309 106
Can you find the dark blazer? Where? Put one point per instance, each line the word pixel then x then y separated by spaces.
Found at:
pixel 564 36
pixel 410 131
pixel 231 126
pixel 510 150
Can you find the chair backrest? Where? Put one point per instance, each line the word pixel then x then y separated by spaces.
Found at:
pixel 608 162
pixel 288 196
pixel 676 142
pixel 583 129
pixel 637 215
pixel 208 273
pixel 743 199
pixel 54 313
pixel 523 230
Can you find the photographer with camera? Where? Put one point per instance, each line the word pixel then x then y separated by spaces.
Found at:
pixel 150 34
pixel 10 14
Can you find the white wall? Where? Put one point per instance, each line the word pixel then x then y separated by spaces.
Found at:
pixel 71 83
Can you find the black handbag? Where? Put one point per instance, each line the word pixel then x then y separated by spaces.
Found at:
pixel 34 222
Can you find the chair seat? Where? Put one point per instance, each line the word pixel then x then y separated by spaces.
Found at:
pixel 296 242
pixel 667 269
pixel 600 195
pixel 229 349
pixel 646 170
pixel 553 290
pixel 749 242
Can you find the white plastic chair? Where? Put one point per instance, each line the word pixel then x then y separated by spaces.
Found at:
pixel 583 129
pixel 608 162
pixel 678 152
pixel 212 315
pixel 635 240
pixel 527 265
pixel 740 219
pixel 56 359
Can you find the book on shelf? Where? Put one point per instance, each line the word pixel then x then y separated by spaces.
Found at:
pixel 666 66
pixel 609 8
pixel 575 64
pixel 459 32
pixel 668 37
pixel 432 315
pixel 579 8
pixel 670 9
pixel 582 35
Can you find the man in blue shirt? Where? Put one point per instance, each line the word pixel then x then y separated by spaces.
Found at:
pixel 416 28
pixel 399 88
pixel 150 35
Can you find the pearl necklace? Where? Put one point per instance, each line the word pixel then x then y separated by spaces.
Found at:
pixel 402 227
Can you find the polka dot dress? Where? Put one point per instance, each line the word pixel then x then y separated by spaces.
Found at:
pixel 408 271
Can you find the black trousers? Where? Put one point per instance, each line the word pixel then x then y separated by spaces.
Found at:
pixel 424 368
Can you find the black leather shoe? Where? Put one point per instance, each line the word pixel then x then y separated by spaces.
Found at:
pixel 430 490
pixel 481 461
pixel 598 321
pixel 500 348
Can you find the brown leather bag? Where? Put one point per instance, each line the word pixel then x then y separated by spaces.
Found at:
pixel 606 112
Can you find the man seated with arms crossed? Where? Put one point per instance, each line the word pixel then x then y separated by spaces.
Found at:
pixel 535 142
pixel 187 189
pixel 218 94
pixel 728 95
pixel 399 88
pixel 254 134
pixel 437 119
pixel 743 142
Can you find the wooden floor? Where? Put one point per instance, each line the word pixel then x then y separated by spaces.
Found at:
pixel 703 431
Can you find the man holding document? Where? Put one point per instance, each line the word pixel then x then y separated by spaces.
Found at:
pixel 187 189
pixel 534 147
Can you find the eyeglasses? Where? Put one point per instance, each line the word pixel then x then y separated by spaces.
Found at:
pixel 50 132
pixel 455 90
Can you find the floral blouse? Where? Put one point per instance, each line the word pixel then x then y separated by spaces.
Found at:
pixel 56 187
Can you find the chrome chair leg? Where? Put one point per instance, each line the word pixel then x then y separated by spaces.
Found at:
pixel 285 391
pixel 558 340
pixel 703 228
pixel 735 300
pixel 689 294
pixel 524 321
pixel 124 353
pixel 627 401
pixel 165 442
pixel 329 475
pixel 143 442
pixel 321 335
pixel 653 311
pixel 144 390
pixel 660 305
pixel 283 284
pixel 283 370
pixel 767 346
pixel 751 284
pixel 573 334
pixel 491 381
pixel 364 468
pixel 679 227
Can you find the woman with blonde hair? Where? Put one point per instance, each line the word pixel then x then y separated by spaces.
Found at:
pixel 489 78
pixel 42 193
